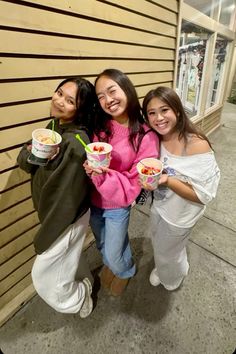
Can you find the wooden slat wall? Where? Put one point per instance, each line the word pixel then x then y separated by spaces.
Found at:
pixel 211 121
pixel 42 42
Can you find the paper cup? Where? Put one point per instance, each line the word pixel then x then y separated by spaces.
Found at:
pixel 149 181
pixel 44 145
pixel 100 155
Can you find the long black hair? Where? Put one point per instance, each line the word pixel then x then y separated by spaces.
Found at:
pixel 184 125
pixel 86 103
pixel 134 111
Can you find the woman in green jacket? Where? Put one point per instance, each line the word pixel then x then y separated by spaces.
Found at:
pixel 60 196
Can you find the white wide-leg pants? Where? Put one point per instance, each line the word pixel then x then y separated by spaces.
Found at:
pixel 169 248
pixel 55 271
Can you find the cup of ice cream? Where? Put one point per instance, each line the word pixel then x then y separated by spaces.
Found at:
pixel 98 154
pixel 44 145
pixel 150 170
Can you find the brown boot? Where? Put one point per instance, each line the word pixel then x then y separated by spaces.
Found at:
pixel 118 285
pixel 106 277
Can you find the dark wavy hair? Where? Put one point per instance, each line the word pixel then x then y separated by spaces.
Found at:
pixel 86 103
pixel 184 125
pixel 134 111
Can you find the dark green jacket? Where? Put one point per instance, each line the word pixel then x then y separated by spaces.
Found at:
pixel 60 189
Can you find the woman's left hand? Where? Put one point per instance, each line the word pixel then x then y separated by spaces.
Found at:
pixel 91 171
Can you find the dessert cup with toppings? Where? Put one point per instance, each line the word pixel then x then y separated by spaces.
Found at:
pixel 150 170
pixel 44 145
pixel 98 154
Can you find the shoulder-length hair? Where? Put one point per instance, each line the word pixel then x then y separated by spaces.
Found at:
pixel 86 103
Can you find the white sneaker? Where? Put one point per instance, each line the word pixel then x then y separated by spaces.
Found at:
pixel 87 306
pixel 154 279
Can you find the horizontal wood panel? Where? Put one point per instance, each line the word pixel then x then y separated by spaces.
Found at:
pixel 18 135
pixel 20 68
pixel 14 196
pixel 106 12
pixel 11 178
pixel 16 290
pixel 144 79
pixel 16 261
pixel 16 276
pixel 142 91
pixel 16 212
pixel 171 4
pixel 209 124
pixel 148 9
pixel 18 228
pixel 28 90
pixel 24 113
pixel 12 306
pixel 8 159
pixel 51 45
pixel 35 19
pixel 17 245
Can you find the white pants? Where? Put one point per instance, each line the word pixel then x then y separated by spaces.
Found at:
pixel 169 247
pixel 55 271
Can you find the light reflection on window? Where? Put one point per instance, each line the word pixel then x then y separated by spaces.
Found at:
pixel 192 51
pixel 218 66
pixel 205 6
pixel 227 13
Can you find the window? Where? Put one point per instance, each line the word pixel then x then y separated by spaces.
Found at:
pixel 227 12
pixel 191 60
pixel 218 66
pixel 207 7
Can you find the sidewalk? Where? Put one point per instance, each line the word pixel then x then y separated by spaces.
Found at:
pixel 199 318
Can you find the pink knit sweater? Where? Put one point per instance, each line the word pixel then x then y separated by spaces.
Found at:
pixel 119 187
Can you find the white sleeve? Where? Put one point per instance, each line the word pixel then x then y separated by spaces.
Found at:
pixel 205 177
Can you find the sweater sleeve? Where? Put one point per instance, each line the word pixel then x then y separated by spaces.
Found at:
pixel 123 187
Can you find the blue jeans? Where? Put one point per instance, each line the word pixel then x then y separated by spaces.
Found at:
pixel 110 228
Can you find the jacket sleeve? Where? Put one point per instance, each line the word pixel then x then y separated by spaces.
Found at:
pixel 123 188
pixel 22 160
pixel 63 197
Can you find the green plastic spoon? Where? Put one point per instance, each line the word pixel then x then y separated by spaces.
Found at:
pixel 53 131
pixel 83 143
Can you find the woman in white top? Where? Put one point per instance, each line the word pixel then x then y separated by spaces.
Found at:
pixel 190 180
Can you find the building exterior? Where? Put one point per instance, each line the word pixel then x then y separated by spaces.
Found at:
pixel 176 43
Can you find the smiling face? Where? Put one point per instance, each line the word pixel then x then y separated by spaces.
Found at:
pixel 63 105
pixel 112 98
pixel 161 117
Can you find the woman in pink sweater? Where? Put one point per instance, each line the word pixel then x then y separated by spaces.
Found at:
pixel 114 189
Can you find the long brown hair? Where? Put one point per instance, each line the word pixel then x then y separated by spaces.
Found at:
pixel 134 110
pixel 184 125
